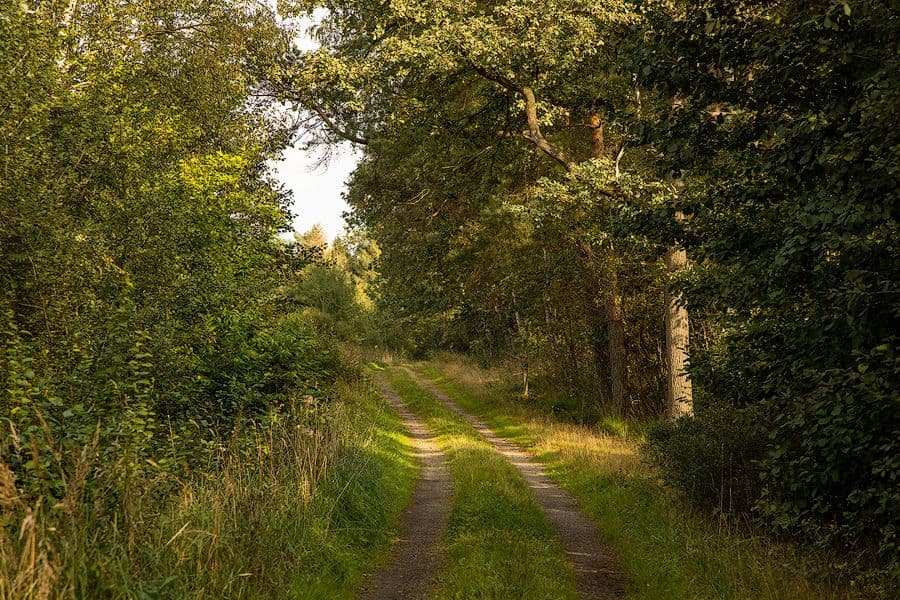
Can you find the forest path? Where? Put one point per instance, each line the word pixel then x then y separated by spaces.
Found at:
pixel 598 573
pixel 416 558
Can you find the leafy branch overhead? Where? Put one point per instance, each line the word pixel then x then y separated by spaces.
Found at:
pixel 359 81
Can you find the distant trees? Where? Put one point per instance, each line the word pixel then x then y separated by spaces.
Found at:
pixel 334 290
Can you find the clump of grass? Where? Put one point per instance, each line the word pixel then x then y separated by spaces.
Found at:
pixel 27 568
pixel 500 544
pixel 669 550
pixel 297 506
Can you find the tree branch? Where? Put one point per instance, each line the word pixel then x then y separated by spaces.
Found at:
pixel 498 79
pixel 619 156
pixel 534 134
pixel 351 137
pixel 282 92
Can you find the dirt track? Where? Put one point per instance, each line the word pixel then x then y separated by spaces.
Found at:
pixel 597 570
pixel 417 557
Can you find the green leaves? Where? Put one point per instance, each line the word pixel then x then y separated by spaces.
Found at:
pixel 136 203
pixel 789 192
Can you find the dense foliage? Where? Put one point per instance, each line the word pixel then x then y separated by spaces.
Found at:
pixel 138 226
pixel 143 337
pixel 528 165
pixel 784 126
pixel 471 253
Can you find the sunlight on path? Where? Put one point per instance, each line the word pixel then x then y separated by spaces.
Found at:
pixel 597 570
pixel 417 556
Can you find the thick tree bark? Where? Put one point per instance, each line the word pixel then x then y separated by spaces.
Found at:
pixel 534 134
pixel 598 144
pixel 679 392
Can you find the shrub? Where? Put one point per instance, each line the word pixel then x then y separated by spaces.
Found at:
pixel 833 474
pixel 713 457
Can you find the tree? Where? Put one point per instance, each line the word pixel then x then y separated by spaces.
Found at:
pixel 560 68
pixel 314 238
pixel 138 219
pixel 783 131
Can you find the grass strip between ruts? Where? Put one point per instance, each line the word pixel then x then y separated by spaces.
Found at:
pixel 500 545
pixel 669 551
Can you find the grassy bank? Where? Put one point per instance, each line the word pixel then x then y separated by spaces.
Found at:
pixel 299 507
pixel 668 550
pixel 500 545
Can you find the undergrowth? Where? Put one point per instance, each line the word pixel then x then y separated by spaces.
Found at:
pixel 295 505
pixel 669 550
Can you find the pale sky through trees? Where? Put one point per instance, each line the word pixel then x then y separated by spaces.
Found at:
pixel 317 190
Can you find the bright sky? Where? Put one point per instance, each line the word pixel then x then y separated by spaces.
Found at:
pixel 317 190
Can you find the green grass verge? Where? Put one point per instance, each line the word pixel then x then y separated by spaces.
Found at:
pixel 303 515
pixel 669 551
pixel 356 515
pixel 499 542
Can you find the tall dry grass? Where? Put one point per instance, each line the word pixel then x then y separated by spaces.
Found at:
pixel 233 527
pixel 605 446
pixel 27 568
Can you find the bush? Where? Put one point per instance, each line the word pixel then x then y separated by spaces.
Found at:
pixel 713 457
pixel 832 474
pixel 301 498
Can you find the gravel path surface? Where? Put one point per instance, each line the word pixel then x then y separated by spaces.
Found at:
pixel 417 557
pixel 597 570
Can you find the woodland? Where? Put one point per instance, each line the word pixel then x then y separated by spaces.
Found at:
pixel 664 231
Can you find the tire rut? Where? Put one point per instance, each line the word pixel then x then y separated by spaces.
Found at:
pixel 416 558
pixel 597 569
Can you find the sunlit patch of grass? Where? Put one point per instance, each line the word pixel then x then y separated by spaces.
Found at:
pixel 374 357
pixel 669 550
pixel 499 542
pixel 603 453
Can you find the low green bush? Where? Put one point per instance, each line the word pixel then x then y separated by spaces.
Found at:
pixel 822 470
pixel 833 473
pixel 713 456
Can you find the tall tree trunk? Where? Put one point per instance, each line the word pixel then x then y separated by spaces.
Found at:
pixel 524 354
pixel 679 392
pixel 608 288
pixel 613 302
pixel 615 322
